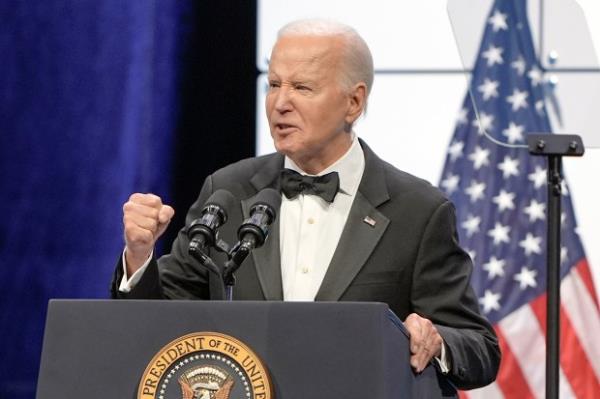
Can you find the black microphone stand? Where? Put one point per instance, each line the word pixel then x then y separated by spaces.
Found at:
pixel 222 287
pixel 554 147
pixel 252 234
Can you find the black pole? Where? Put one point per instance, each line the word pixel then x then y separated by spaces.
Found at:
pixel 553 147
pixel 553 277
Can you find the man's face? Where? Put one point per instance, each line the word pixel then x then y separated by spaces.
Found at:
pixel 308 111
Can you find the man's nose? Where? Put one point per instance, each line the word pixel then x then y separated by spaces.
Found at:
pixel 283 101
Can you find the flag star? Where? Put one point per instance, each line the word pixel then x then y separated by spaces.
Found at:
pixel 538 177
pixel 518 99
pixel 480 157
pixel 493 55
pixel 531 244
pixel 536 76
pixel 456 150
pixel 484 122
pixel 514 132
pixel 450 183
pixel 489 89
pixel 563 217
pixel 535 210
pixel 471 225
pixel 509 167
pixel 504 200
pixel 490 301
pixel 519 65
pixel 540 107
pixel 475 191
pixel 564 188
pixel 499 233
pixel 461 118
pixel 495 267
pixel 564 254
pixel 498 21
pixel 526 278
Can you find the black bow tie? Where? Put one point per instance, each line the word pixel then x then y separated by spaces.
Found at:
pixel 293 183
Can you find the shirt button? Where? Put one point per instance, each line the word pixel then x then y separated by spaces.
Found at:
pixel 311 221
pixel 304 270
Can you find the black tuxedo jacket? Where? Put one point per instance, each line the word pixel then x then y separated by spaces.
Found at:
pixel 409 258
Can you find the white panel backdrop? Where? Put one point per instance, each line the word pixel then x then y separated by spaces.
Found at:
pixel 412 112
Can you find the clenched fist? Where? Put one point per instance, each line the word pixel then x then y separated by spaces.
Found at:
pixel 145 218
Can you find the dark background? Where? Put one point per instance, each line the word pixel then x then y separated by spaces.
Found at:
pixel 100 99
pixel 217 97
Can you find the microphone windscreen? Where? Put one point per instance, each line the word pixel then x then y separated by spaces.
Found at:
pixel 223 199
pixel 269 197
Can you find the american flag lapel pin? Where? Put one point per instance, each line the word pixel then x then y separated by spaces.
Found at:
pixel 370 221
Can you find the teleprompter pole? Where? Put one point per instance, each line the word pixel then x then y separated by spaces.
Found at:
pixel 553 147
pixel 553 276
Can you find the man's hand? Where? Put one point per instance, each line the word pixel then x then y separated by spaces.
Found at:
pixel 145 218
pixel 425 341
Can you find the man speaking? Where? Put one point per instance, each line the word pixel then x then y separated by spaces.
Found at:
pixel 351 227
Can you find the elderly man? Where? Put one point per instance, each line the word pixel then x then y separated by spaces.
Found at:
pixel 379 235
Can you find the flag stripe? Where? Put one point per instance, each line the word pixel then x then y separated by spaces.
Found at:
pixel 538 308
pixel 487 392
pixel 510 380
pixel 574 361
pixel 525 339
pixel 564 389
pixel 583 268
pixel 581 309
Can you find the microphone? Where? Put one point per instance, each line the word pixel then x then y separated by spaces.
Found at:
pixel 254 231
pixel 202 231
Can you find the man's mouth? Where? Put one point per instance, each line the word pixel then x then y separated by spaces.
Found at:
pixel 284 127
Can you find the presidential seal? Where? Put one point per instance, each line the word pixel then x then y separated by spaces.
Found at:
pixel 205 365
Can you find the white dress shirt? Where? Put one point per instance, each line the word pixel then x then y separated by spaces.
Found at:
pixel 310 227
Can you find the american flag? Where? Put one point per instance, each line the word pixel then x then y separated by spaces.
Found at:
pixel 500 195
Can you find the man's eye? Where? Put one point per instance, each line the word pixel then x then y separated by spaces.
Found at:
pixel 273 85
pixel 302 88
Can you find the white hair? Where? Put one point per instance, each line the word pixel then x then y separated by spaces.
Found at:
pixel 357 64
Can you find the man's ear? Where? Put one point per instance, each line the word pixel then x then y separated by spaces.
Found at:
pixel 357 98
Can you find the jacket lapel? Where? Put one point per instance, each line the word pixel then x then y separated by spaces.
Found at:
pixel 267 258
pixel 364 228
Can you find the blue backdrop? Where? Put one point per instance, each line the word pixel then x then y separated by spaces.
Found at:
pixel 87 114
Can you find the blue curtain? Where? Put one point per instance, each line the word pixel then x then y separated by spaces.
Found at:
pixel 88 108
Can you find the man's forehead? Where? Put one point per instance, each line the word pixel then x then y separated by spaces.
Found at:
pixel 305 50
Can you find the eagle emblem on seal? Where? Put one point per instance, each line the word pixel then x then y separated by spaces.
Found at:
pixel 205 382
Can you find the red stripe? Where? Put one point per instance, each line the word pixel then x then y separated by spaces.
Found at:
pixel 573 358
pixel 583 268
pixel 538 306
pixel 575 362
pixel 463 395
pixel 511 380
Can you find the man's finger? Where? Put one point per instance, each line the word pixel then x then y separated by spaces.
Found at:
pixel 425 341
pixel 414 329
pixel 146 223
pixel 151 200
pixel 135 208
pixel 165 214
